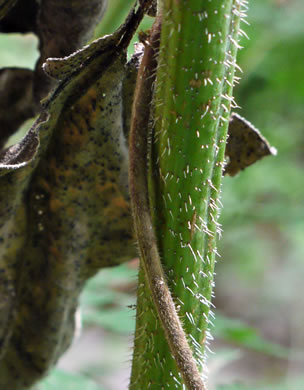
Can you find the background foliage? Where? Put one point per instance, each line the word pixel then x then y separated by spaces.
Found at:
pixel 259 336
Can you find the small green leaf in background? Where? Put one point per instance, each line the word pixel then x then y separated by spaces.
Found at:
pixel 239 333
pixel 63 380
pixel 106 301
pixel 294 384
pixel 234 387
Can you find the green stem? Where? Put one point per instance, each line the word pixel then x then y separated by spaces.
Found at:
pixel 150 260
pixel 192 106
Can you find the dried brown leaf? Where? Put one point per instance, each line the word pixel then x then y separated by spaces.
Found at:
pixel 67 214
pixel 245 145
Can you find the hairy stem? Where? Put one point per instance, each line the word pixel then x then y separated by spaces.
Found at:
pixel 191 111
pixel 149 255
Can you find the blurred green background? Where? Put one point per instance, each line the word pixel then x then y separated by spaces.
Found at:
pixel 259 326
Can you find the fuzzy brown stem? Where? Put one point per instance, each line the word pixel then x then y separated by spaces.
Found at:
pixel 138 148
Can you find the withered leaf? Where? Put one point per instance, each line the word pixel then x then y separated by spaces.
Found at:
pixel 61 30
pixel 67 214
pixel 20 154
pixel 78 221
pixel 245 145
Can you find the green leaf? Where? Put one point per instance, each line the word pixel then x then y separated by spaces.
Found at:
pixel 235 387
pixel 293 384
pixel 237 332
pixel 103 305
pixel 63 380
pixel 118 320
